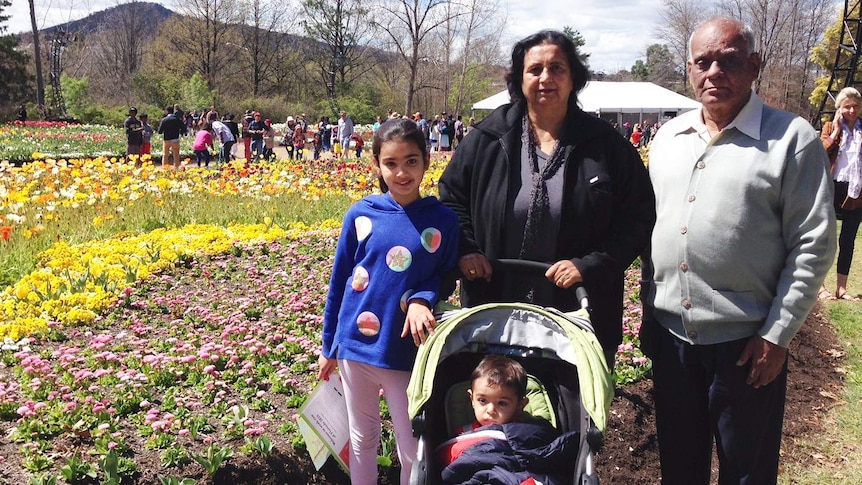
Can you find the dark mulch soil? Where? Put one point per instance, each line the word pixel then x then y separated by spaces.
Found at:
pixel 630 454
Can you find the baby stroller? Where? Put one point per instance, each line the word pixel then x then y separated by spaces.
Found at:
pixel 570 381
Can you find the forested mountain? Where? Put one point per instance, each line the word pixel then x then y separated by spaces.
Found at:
pixel 316 57
pixel 152 15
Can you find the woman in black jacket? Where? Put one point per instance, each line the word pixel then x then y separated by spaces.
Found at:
pixel 541 180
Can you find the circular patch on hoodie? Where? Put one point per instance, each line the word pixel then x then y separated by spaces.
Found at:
pixel 363 227
pixel 368 323
pixel 360 279
pixel 431 239
pixel 399 258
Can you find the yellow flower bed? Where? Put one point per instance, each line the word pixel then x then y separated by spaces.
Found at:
pixel 72 285
pixel 32 196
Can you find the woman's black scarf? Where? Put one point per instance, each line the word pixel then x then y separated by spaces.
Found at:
pixel 539 200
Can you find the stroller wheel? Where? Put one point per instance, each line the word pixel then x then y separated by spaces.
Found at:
pixel 590 479
pixel 419 469
pixel 418 473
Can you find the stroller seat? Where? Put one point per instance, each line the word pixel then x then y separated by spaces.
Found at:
pixel 459 412
pixel 559 350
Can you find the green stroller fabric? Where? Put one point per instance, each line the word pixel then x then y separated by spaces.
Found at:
pixel 566 336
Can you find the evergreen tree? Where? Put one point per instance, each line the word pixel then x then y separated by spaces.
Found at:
pixel 640 71
pixel 13 71
pixel 579 41
pixel 659 68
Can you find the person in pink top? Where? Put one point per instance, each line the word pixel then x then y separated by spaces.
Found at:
pixel 204 139
pixel 298 142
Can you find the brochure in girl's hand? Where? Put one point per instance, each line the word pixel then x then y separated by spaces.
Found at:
pixel 323 423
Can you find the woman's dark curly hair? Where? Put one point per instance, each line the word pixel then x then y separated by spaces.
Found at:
pixel 515 75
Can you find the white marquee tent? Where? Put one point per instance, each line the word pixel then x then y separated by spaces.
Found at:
pixel 621 98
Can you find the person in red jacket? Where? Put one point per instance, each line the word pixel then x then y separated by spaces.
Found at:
pixel 358 143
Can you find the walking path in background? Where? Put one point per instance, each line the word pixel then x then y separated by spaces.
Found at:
pixel 281 152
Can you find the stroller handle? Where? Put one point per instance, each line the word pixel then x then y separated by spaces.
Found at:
pixel 537 268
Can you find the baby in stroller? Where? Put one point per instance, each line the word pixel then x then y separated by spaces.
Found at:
pixel 505 444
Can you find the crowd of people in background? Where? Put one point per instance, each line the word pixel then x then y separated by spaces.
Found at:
pixel 300 138
pixel 639 134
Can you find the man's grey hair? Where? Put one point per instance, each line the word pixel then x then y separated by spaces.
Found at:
pixel 747 34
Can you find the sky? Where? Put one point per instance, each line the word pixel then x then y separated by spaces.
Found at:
pixel 617 32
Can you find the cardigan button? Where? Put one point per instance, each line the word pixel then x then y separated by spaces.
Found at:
pixel 701 165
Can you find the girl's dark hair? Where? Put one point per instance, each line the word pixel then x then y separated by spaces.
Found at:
pixel 397 129
pixel 515 75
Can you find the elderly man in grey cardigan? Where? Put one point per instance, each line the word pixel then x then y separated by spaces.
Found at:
pixel 745 234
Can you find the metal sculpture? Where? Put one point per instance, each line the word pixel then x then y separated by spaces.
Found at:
pixel 59 41
pixel 845 69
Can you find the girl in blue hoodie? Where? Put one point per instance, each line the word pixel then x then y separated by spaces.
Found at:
pixel 393 251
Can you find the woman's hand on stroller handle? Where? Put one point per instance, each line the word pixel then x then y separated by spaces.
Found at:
pixel 564 274
pixel 474 266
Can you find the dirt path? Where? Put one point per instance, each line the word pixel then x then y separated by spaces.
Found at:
pixel 630 455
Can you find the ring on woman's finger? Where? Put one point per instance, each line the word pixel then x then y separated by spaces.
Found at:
pixel 472 271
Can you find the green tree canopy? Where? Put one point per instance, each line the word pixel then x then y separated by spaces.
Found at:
pixel 197 93
pixel 14 80
pixel 580 42
pixel 659 68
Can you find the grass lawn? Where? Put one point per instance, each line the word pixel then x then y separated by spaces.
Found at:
pixel 835 456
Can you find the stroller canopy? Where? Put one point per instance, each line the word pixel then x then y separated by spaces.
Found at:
pixel 564 336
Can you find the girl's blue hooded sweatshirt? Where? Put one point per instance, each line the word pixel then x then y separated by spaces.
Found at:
pixel 386 256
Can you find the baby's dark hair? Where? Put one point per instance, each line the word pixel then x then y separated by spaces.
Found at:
pixel 397 129
pixel 502 371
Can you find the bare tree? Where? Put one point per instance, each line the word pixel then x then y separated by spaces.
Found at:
pixel 778 26
pixel 408 24
pixel 211 24
pixel 806 30
pixel 116 51
pixel 770 20
pixel 263 39
pixel 483 25
pixel 340 34
pixel 677 20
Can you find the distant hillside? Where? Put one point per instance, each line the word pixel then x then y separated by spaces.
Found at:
pixel 152 13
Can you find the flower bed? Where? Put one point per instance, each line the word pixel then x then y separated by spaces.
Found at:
pixel 34 140
pixel 214 354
